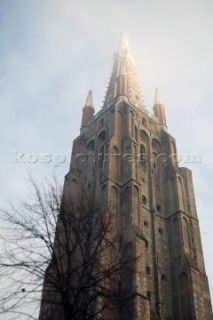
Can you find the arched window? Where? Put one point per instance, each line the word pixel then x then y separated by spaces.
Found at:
pixel 186 236
pixel 158 208
pixel 148 270
pixel 143 154
pixel 136 133
pixel 149 295
pixel 144 147
pixel 91 145
pixel 144 122
pixel 181 193
pixel 144 200
pixel 74 181
pixel 164 277
pixel 102 136
pixel 173 152
pixel 160 230
pixel 101 157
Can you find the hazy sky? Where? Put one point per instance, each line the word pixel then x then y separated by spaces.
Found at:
pixel 52 52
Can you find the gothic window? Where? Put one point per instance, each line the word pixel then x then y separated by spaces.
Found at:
pixel 173 148
pixel 74 181
pixel 136 133
pixel 144 137
pixel 143 154
pixel 173 152
pixel 144 200
pixel 102 136
pixel 144 122
pixel 107 148
pixel 155 146
pixel 135 158
pixel 186 236
pixel 148 270
pixel 101 157
pixel 119 124
pixel 181 194
pixel 158 208
pixel 149 295
pixel 131 122
pixel 160 230
pixel 164 277
pixel 91 145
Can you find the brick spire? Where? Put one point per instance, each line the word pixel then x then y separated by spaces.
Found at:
pixel 123 79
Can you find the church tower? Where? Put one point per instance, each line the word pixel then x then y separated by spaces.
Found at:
pixel 136 169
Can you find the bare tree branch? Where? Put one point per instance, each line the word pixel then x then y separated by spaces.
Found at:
pixel 63 253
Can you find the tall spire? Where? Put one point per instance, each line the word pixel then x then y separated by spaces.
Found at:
pixel 158 108
pixel 123 80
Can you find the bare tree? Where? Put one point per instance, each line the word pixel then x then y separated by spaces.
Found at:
pixel 66 254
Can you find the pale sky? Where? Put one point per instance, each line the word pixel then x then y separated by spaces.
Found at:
pixel 53 51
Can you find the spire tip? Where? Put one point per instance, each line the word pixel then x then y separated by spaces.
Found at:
pixel 124 41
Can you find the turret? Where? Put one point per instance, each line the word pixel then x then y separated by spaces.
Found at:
pixel 88 110
pixel 158 108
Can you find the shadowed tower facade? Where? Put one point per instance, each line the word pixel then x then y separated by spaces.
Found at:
pixel 134 167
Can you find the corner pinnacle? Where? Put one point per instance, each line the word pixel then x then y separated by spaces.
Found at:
pixel 158 98
pixel 89 100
